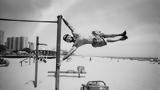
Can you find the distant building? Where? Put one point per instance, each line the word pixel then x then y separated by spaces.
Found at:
pixel 1 37
pixel 17 43
pixel 9 43
pixel 23 42
pixel 18 47
pixel 13 42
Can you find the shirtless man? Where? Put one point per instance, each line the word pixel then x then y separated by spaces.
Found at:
pixel 96 39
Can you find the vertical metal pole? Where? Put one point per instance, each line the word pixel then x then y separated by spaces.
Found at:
pixel 58 52
pixel 36 63
pixel 30 58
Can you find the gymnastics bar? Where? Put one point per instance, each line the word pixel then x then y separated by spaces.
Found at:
pixel 58 48
pixel 18 20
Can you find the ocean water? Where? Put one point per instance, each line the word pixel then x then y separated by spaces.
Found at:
pixel 118 74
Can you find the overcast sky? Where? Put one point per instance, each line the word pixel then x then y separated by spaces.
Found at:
pixel 141 19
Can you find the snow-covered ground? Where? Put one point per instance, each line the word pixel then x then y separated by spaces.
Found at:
pixel 117 74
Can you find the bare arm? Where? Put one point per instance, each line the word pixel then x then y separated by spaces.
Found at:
pixel 73 49
pixel 70 27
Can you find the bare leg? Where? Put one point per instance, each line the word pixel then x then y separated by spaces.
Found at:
pixel 110 35
pixel 113 35
pixel 115 40
pixel 110 40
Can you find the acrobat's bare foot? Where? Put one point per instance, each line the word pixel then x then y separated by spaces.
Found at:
pixel 123 38
pixel 124 33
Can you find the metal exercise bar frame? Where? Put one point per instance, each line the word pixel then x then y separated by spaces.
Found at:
pixel 58 48
pixel 59 17
pixel 36 63
pixel 21 20
pixel 37 57
pixel 73 72
pixel 72 76
pixel 69 72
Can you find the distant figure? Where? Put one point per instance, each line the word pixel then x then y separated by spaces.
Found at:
pixel 44 60
pixel 90 59
pixel 96 39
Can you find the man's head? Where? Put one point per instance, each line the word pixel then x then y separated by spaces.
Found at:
pixel 68 38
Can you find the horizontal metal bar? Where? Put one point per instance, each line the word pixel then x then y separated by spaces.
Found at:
pixel 74 72
pixel 67 76
pixel 18 20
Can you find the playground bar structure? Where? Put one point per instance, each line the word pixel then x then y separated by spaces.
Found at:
pixel 37 58
pixel 59 17
pixel 36 63
pixel 18 20
pixel 58 51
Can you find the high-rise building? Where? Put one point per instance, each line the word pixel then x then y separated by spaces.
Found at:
pixel 23 42
pixel 17 43
pixel 13 41
pixel 1 37
pixel 9 43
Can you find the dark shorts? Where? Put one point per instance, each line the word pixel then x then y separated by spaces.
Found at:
pixel 97 33
pixel 98 39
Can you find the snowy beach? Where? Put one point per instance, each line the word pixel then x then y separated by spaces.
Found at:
pixel 118 74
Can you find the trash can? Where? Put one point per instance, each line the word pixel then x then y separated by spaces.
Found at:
pixel 95 85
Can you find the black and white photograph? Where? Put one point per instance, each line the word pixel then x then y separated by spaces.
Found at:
pixel 79 45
